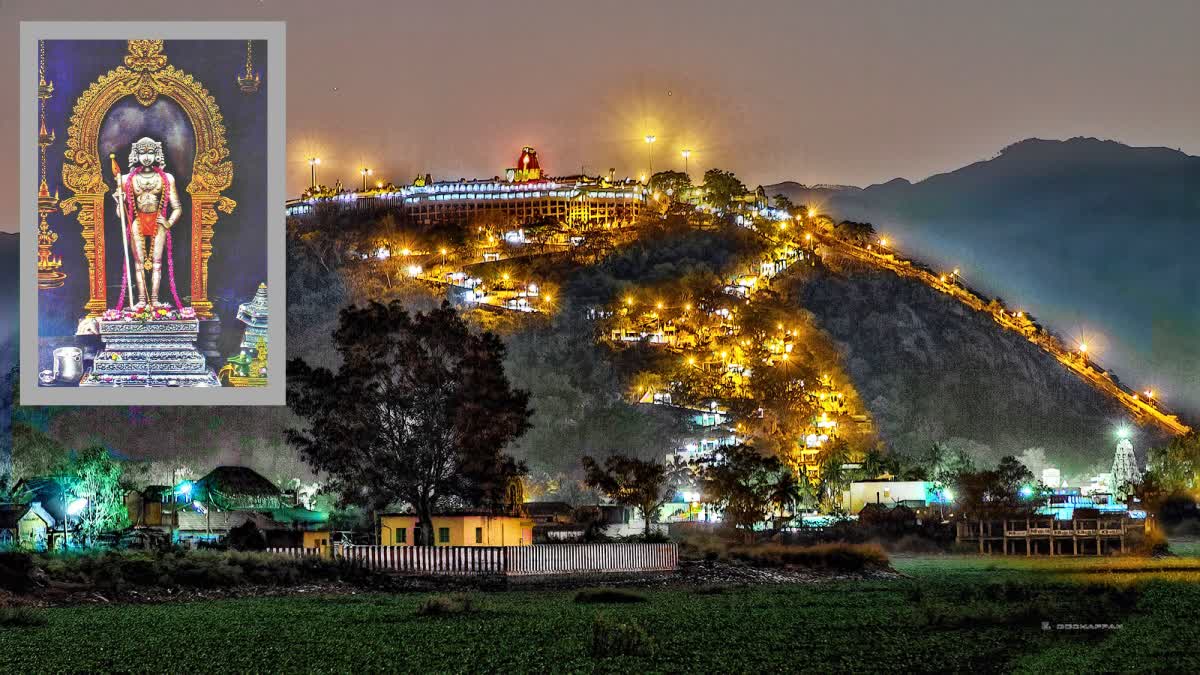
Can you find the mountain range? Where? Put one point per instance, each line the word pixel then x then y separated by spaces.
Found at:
pixel 1094 237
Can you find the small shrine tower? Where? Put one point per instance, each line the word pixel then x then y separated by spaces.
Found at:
pixel 254 315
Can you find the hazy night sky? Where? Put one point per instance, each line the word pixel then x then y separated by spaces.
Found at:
pixel 830 92
pixel 817 92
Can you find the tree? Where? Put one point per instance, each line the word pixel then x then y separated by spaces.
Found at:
pixel 632 482
pixel 95 476
pixel 674 184
pixel 835 479
pixel 419 412
pixel 1176 466
pixel 782 203
pixel 857 233
pixel 740 481
pixel 996 491
pixel 787 491
pixel 722 188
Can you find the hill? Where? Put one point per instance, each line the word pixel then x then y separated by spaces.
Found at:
pixel 1093 236
pixel 809 194
pixel 931 370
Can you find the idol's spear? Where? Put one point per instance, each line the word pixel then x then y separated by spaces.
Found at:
pixel 116 169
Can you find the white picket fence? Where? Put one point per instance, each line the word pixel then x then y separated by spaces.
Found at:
pixel 535 560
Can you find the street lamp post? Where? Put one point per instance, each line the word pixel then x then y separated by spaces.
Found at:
pixel 650 153
pixel 312 165
pixel 365 172
pixel 686 154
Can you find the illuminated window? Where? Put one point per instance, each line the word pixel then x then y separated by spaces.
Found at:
pixel 443 535
pixel 479 535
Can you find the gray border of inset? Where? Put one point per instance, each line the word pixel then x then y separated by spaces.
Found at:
pixel 274 32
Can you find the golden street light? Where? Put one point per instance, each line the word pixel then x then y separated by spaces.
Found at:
pixel 365 172
pixel 650 138
pixel 312 165
pixel 686 153
pixel 812 213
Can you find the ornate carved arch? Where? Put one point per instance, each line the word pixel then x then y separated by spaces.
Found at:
pixel 146 76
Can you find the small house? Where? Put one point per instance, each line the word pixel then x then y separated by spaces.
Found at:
pixel 458 529
pixel 230 496
pixel 889 493
pixel 25 526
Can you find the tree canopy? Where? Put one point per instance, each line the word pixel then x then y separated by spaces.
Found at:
pixel 631 481
pixel 419 412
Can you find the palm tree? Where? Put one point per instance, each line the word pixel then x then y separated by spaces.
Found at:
pixel 680 473
pixel 874 464
pixel 786 491
pixel 834 476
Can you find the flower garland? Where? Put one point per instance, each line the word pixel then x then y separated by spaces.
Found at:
pixel 129 219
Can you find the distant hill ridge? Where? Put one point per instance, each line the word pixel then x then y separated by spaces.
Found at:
pixel 1092 235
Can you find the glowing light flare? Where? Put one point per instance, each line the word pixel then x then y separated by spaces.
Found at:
pixel 77 506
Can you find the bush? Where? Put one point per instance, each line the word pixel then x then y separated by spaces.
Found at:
pixel 247 537
pixel 608 595
pixel 618 638
pixel 195 569
pixel 840 557
pixel 13 617
pixel 447 605
pixel 14 572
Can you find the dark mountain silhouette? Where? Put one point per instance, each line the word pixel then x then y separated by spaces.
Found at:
pixel 1095 237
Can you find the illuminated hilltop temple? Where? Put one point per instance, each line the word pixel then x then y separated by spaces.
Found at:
pixel 525 193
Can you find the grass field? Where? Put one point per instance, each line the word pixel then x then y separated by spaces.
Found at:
pixel 951 614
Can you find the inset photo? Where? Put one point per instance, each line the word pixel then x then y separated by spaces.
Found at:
pixel 152 263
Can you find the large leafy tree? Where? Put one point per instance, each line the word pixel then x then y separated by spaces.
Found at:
pixel 95 476
pixel 673 184
pixel 723 187
pixel 1175 467
pixel 995 491
pixel 742 482
pixel 631 481
pixel 419 411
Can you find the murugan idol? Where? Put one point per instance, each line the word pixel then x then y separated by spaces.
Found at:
pixel 143 197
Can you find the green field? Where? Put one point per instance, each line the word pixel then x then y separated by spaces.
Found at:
pixel 951 614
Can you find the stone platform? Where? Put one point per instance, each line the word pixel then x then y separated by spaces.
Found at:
pixel 160 353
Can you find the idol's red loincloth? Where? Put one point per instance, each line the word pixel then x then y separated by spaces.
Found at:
pixel 147 224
